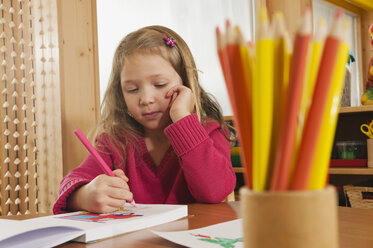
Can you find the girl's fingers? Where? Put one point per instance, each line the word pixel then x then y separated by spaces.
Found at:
pixel 113 206
pixel 116 204
pixel 112 200
pixel 182 102
pixel 120 173
pixel 173 97
pixel 120 194
pixel 117 182
pixel 169 93
pixel 174 90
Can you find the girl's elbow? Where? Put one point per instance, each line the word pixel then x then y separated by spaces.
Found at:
pixel 217 196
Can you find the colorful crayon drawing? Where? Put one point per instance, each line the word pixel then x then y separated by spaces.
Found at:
pixel 101 218
pixel 224 242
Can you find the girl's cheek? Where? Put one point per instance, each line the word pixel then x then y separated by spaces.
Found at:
pixel 166 102
pixel 170 86
pixel 165 91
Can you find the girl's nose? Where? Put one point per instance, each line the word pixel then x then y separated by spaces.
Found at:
pixel 147 97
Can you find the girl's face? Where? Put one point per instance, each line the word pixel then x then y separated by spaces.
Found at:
pixel 145 81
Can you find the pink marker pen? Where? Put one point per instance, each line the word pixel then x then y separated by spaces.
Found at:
pixel 97 156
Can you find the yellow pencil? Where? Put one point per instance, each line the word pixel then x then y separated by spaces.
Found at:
pixel 321 160
pixel 279 57
pixel 262 102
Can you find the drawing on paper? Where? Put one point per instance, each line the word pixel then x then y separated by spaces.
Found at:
pixel 223 242
pixel 122 213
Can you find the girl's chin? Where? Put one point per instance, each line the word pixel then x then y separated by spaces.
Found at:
pixel 154 126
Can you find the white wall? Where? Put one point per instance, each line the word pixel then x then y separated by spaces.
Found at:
pixel 194 20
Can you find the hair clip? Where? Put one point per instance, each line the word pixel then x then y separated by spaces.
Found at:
pixel 169 41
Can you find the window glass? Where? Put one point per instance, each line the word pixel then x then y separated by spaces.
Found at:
pixel 322 9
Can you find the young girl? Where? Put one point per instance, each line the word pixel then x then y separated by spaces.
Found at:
pixel 159 131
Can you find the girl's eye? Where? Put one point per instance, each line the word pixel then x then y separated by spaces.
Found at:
pixel 131 90
pixel 160 85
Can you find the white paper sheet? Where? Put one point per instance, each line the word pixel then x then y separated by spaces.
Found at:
pixel 224 235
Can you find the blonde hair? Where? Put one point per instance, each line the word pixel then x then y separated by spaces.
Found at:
pixel 115 119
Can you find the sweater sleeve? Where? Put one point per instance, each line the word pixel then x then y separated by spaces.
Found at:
pixel 204 156
pixel 79 176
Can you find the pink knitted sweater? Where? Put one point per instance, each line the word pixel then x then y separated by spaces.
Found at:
pixel 196 167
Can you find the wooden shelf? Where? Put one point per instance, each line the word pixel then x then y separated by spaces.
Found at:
pixel 347 134
pixel 342 110
pixel 357 109
pixel 351 171
pixel 238 169
pixel 333 171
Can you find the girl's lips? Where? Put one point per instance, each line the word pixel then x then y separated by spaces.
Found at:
pixel 151 115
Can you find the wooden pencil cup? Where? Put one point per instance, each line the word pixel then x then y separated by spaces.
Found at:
pixel 290 219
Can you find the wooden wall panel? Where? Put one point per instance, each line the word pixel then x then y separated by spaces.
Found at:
pixel 48 83
pixel 79 75
pixel 366 46
pixel 292 11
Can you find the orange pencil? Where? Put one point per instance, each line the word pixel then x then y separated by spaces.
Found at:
pixel 229 55
pixel 314 119
pixel 242 113
pixel 286 140
pixel 243 84
pixel 223 58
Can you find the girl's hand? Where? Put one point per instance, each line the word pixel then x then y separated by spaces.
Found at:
pixel 182 102
pixel 103 194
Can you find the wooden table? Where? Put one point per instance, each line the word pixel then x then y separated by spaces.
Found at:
pixel 355 227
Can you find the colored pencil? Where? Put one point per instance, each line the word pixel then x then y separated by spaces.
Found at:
pixel 105 167
pixel 241 93
pixel 319 171
pixel 244 88
pixel 285 152
pixel 314 120
pixel 229 56
pixel 262 101
pixel 94 153
pixel 280 84
pixel 312 67
pixel 285 98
